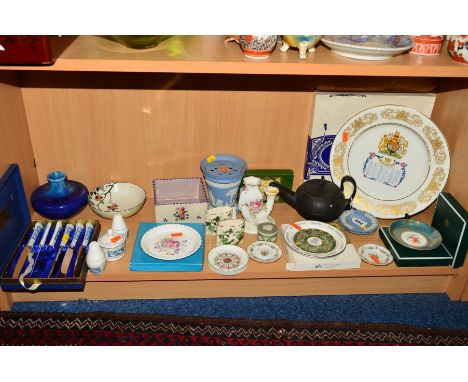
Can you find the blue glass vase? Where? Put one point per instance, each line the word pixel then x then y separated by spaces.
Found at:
pixel 60 198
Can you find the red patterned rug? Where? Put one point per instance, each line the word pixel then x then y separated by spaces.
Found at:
pixel 137 329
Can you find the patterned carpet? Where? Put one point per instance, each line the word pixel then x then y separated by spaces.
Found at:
pixel 136 329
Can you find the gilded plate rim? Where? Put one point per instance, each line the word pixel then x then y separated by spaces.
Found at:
pixel 422 126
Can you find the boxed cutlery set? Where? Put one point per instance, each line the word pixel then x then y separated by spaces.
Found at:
pixel 42 255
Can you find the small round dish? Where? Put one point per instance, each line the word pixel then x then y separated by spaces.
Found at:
pixel 264 251
pixel 358 222
pixel 170 242
pixel 415 234
pixel 375 254
pixel 228 260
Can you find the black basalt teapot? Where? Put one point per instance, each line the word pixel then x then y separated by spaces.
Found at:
pixel 318 199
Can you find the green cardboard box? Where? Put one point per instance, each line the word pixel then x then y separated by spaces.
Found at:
pixel 283 177
pixel 450 219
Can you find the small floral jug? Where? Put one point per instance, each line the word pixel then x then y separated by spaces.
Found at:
pixel 251 203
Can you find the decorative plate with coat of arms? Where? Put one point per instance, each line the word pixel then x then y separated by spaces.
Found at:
pixel 398 157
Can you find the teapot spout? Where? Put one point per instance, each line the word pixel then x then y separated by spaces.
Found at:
pixel 288 195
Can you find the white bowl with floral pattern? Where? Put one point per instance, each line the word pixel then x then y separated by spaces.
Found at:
pixel 116 198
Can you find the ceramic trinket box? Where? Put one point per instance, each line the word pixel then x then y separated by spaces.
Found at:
pixel 39 255
pixel 180 200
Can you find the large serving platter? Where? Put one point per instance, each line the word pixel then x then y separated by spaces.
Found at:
pixel 171 242
pixel 367 47
pixel 398 157
pixel 314 239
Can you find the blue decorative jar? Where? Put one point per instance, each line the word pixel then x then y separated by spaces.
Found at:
pixel 223 174
pixel 60 198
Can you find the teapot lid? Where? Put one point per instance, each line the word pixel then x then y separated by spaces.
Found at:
pixel 320 188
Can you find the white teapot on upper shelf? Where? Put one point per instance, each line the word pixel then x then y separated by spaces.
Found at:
pixel 251 204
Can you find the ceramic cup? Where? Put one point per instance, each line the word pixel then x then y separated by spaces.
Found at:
pixel 95 258
pixel 257 46
pixel 216 215
pixel 230 232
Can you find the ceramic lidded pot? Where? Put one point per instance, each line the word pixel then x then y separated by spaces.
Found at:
pixel 257 46
pixel 113 245
pixel 60 198
pixel 223 174
pixel 267 231
pixel 427 45
pixel 458 48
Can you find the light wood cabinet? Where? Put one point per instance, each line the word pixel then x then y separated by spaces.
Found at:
pixel 105 113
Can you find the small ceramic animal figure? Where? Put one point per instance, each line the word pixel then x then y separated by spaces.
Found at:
pixel 302 42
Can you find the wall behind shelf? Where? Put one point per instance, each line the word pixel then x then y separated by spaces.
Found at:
pixel 101 127
pixel 15 141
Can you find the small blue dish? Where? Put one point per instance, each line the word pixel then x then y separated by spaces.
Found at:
pixel 415 234
pixel 359 222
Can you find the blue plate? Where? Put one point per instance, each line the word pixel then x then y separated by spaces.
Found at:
pixel 415 234
pixel 359 222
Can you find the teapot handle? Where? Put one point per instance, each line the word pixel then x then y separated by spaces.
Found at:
pixel 350 179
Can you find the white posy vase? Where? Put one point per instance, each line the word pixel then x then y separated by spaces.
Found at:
pixel 251 204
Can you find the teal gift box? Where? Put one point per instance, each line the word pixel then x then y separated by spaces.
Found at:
pixel 141 262
pixel 450 219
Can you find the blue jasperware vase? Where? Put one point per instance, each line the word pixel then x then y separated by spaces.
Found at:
pixel 60 198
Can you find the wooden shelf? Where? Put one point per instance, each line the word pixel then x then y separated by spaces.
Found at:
pixel 119 270
pixel 210 54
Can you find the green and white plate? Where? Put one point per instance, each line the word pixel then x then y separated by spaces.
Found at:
pixel 314 239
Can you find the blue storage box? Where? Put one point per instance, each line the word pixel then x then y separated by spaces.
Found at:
pixel 140 261
pixel 16 229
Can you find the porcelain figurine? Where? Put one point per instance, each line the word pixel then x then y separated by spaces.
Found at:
pixel 251 204
pixel 305 43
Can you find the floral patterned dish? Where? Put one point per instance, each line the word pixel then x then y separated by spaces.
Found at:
pixel 314 239
pixel 116 198
pixel 375 254
pixel 228 260
pixel 398 157
pixel 170 242
pixel 264 251
pixel 415 234
pixel 368 47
